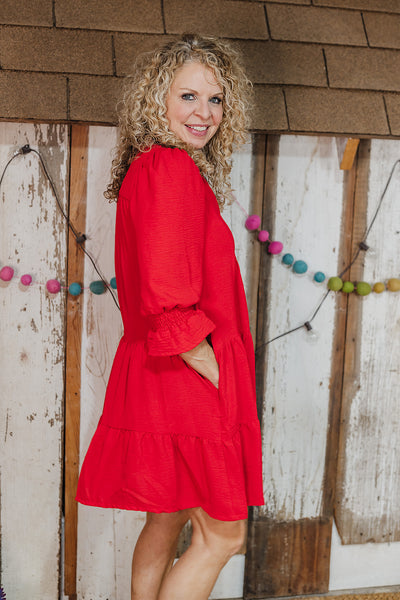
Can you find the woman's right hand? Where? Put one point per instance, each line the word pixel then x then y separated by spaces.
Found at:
pixel 202 359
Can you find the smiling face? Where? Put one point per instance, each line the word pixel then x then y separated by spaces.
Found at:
pixel 194 104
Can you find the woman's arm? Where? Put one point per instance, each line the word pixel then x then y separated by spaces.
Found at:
pixel 202 359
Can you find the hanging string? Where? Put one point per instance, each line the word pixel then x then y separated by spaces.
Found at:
pixel 80 238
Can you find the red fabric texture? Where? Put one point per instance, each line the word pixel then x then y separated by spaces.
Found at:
pixel 168 439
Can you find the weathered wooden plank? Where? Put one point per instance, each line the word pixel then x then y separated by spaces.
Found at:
pixel 345 254
pixel 32 240
pixel 77 215
pixel 349 153
pixel 293 372
pixel 369 475
pixel 308 220
pixel 294 560
pixel 102 534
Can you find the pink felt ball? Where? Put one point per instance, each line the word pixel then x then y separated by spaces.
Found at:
pixel 26 279
pixel 263 235
pixel 253 222
pixel 275 247
pixel 6 273
pixel 53 286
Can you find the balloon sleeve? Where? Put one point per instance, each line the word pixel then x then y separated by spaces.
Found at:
pixel 169 220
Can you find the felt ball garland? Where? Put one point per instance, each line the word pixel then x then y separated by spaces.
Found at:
pixel 300 267
pixel 53 286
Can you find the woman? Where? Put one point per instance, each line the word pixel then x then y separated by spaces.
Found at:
pixel 179 436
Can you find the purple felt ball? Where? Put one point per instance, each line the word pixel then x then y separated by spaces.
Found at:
pixel 53 286
pixel 263 235
pixel 253 222
pixel 6 273
pixel 275 247
pixel 26 279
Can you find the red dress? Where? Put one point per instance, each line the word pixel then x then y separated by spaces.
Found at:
pixel 168 439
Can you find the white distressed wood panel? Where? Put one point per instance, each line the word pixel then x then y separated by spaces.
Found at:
pixel 308 222
pixel 370 464
pixel 106 538
pixel 32 240
pixel 246 244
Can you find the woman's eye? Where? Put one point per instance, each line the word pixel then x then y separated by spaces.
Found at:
pixel 187 96
pixel 216 100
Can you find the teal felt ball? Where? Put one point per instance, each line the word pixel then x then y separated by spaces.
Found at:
pixel 75 289
pixel 113 283
pixel 319 277
pixel 287 259
pixel 97 287
pixel 300 267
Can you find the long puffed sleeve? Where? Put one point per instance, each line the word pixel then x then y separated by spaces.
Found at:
pixel 169 221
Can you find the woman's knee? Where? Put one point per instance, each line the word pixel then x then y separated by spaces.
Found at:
pixel 220 537
pixel 165 521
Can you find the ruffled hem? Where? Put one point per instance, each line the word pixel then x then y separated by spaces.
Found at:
pixel 168 472
pixel 177 330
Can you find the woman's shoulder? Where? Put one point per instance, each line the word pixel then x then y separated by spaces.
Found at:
pixel 162 167
pixel 175 161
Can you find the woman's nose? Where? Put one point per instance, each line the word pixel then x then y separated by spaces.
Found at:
pixel 203 109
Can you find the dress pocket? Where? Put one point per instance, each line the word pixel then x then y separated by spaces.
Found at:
pixel 200 377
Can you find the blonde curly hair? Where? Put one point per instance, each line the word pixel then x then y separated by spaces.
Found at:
pixel 142 116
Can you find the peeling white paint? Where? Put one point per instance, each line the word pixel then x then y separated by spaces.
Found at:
pixel 307 221
pixel 32 240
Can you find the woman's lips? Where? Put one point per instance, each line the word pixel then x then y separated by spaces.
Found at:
pixel 198 130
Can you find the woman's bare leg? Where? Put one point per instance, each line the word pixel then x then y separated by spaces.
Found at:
pixel 213 544
pixel 155 552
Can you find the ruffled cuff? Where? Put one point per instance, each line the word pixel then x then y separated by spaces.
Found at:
pixel 177 330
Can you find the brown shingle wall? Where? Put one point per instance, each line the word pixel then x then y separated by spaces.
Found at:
pixel 318 66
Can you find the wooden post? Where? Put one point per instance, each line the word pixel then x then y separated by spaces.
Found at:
pixel 77 214
pixel 347 150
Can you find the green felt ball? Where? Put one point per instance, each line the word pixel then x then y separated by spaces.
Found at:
pixel 113 283
pixel 97 287
pixel 348 287
pixel 335 284
pixel 363 288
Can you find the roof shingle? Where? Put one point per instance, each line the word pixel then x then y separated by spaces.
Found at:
pixel 339 111
pixel 382 30
pixel 363 68
pixel 314 24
